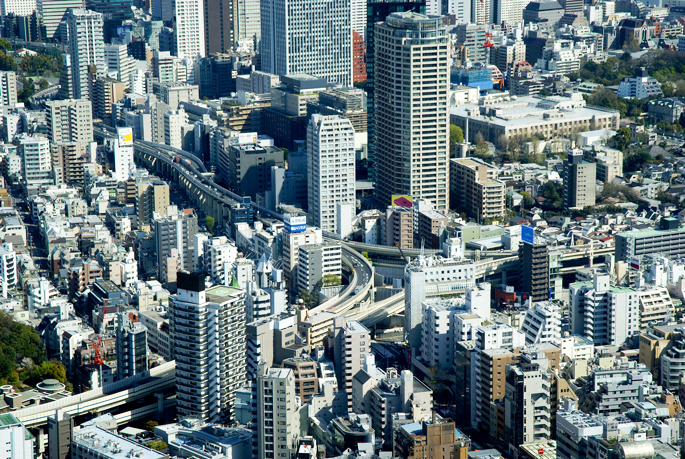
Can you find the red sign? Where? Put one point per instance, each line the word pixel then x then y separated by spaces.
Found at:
pixel 541 451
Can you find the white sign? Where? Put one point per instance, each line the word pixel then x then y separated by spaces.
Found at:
pixel 247 137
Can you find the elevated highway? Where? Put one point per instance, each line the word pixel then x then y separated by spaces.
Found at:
pixel 216 201
pixel 154 381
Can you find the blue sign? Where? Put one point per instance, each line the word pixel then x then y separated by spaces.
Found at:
pixel 527 234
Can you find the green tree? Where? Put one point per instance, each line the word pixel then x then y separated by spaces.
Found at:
pixel 527 200
pixel 46 370
pixel 307 298
pixel 330 280
pixel 621 139
pixel 5 44
pixel 43 83
pixel 157 445
pixel 209 222
pixel 150 425
pixel 636 161
pixel 456 134
pixel 7 62
pixel 631 44
pixel 551 191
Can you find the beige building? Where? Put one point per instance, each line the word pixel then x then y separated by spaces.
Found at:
pixel 69 158
pixel 278 418
pixel 351 343
pixel 475 188
pixel 579 181
pixel 104 92
pixel 306 380
pixel 69 120
pixel 399 227
pixel 151 197
pixel 525 117
pixel 412 109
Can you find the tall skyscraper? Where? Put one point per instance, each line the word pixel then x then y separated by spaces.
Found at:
pixel 131 347
pixel 53 12
pixel 330 168
pixel 412 109
pixel 8 88
pixel 579 181
pixel 208 335
pixel 219 25
pixel 246 25
pixel 86 48
pixel 18 7
pixel 189 28
pixel 307 36
pixel 378 11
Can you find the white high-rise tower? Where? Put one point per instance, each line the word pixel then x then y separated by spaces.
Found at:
pixel 86 48
pixel 189 28
pixel 412 108
pixel 330 168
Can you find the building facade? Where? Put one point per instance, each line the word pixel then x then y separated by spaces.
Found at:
pixel 414 163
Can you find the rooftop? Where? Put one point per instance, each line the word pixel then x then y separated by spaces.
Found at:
pixel 112 445
pixel 221 293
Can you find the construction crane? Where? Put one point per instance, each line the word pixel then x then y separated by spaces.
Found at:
pixel 402 253
pixel 98 356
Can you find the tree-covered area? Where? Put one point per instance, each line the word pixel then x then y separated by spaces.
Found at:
pixel 23 357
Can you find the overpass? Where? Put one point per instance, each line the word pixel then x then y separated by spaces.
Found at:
pixel 146 384
pixel 216 201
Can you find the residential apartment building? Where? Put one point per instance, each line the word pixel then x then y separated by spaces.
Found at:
pixel 475 189
pixel 69 120
pixel 416 162
pixel 287 38
pixel 351 343
pixel 579 181
pixel 399 227
pixel 8 269
pixel 527 401
pixel 104 93
pixel 295 234
pixel 86 48
pixel 542 323
pixel 189 28
pixel 118 61
pixel 132 347
pixel 439 440
pixel 641 86
pixel 306 378
pixel 397 395
pixel 151 197
pixel 8 88
pixel 175 231
pixel 68 159
pixel 17 442
pixel 36 163
pixel 655 305
pixel 534 268
pixel 276 414
pixel 208 339
pixel 668 240
pixel 431 276
pixel 330 169
pixel 315 262
pixel 603 313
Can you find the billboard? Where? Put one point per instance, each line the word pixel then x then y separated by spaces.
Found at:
pixel 125 137
pixel 401 200
pixel 247 137
pixel 295 224
pixel 527 234
pixel 635 263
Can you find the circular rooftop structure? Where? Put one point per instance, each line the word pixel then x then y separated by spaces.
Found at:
pixel 50 386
